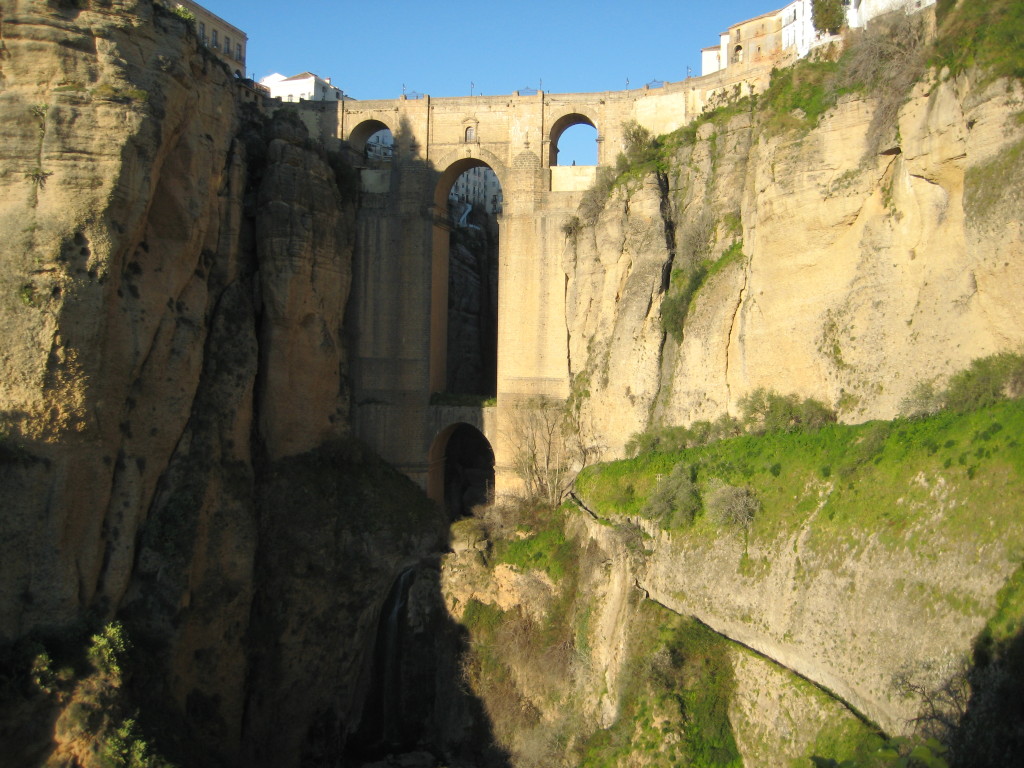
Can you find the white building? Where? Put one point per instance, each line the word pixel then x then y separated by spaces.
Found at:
pixel 712 58
pixel 480 188
pixel 860 12
pixel 798 28
pixel 303 87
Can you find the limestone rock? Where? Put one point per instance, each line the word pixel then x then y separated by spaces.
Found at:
pixel 859 277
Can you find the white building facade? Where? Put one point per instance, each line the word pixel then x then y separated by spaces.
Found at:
pixel 480 188
pixel 303 87
pixel 860 12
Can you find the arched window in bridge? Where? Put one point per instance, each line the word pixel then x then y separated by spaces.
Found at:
pixel 470 133
pixel 573 141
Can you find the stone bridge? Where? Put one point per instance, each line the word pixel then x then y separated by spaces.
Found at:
pixel 399 304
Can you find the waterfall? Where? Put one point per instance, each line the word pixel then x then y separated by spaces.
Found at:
pixel 385 726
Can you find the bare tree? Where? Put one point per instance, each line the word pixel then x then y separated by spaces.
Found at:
pixel 549 447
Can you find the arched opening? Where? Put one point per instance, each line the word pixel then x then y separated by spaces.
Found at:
pixel 737 54
pixel 578 145
pixel 461 470
pixel 574 137
pixel 373 140
pixel 464 301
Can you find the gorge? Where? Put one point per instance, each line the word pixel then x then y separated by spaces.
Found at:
pixel 216 317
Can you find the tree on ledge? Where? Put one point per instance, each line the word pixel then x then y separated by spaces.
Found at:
pixel 827 15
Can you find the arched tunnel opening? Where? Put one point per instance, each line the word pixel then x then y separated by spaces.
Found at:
pixel 468 471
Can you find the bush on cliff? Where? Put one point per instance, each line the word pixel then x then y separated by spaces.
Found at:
pixel 984 382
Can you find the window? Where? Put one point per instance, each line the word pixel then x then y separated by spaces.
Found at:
pixel 213 38
pixel 227 45
pixel 471 133
pixel 202 32
pixel 238 51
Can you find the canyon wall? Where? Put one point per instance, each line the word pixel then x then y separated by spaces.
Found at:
pixel 174 434
pixel 853 275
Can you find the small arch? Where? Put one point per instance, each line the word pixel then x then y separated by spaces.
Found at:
pixel 461 474
pixel 737 55
pixel 372 138
pixel 470 134
pixel 560 126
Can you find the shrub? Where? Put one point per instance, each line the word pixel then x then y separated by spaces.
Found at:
pixel 594 199
pixel 887 59
pixel 923 400
pixel 675 439
pixel 730 504
pixel 827 15
pixel 107 650
pixel 183 13
pixel 799 94
pixel 676 501
pixel 986 381
pixel 767 411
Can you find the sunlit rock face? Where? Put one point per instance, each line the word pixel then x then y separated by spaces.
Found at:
pixel 854 275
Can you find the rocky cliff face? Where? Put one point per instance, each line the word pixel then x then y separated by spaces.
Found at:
pixel 175 271
pixel 861 274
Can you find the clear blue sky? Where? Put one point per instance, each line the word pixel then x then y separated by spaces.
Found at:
pixel 372 49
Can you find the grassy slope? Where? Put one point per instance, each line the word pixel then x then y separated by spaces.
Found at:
pixel 918 487
pixel 874 471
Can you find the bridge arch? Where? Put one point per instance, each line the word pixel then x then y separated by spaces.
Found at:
pixel 461 469
pixel 560 126
pixel 442 227
pixel 456 162
pixel 362 132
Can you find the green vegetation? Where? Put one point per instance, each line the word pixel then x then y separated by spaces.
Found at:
pixel 674 709
pixel 995 183
pixel 862 470
pixel 676 501
pixel 121 95
pixel 799 95
pixel 767 411
pixel 38 177
pixel 674 439
pixel 686 283
pixel 183 13
pixel 542 546
pixel 828 15
pixel 463 400
pixel 70 85
pixel 84 677
pixel 992 729
pixel 762 411
pixel 986 381
pixel 987 35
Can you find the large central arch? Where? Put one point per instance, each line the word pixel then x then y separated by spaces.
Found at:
pixel 441 245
